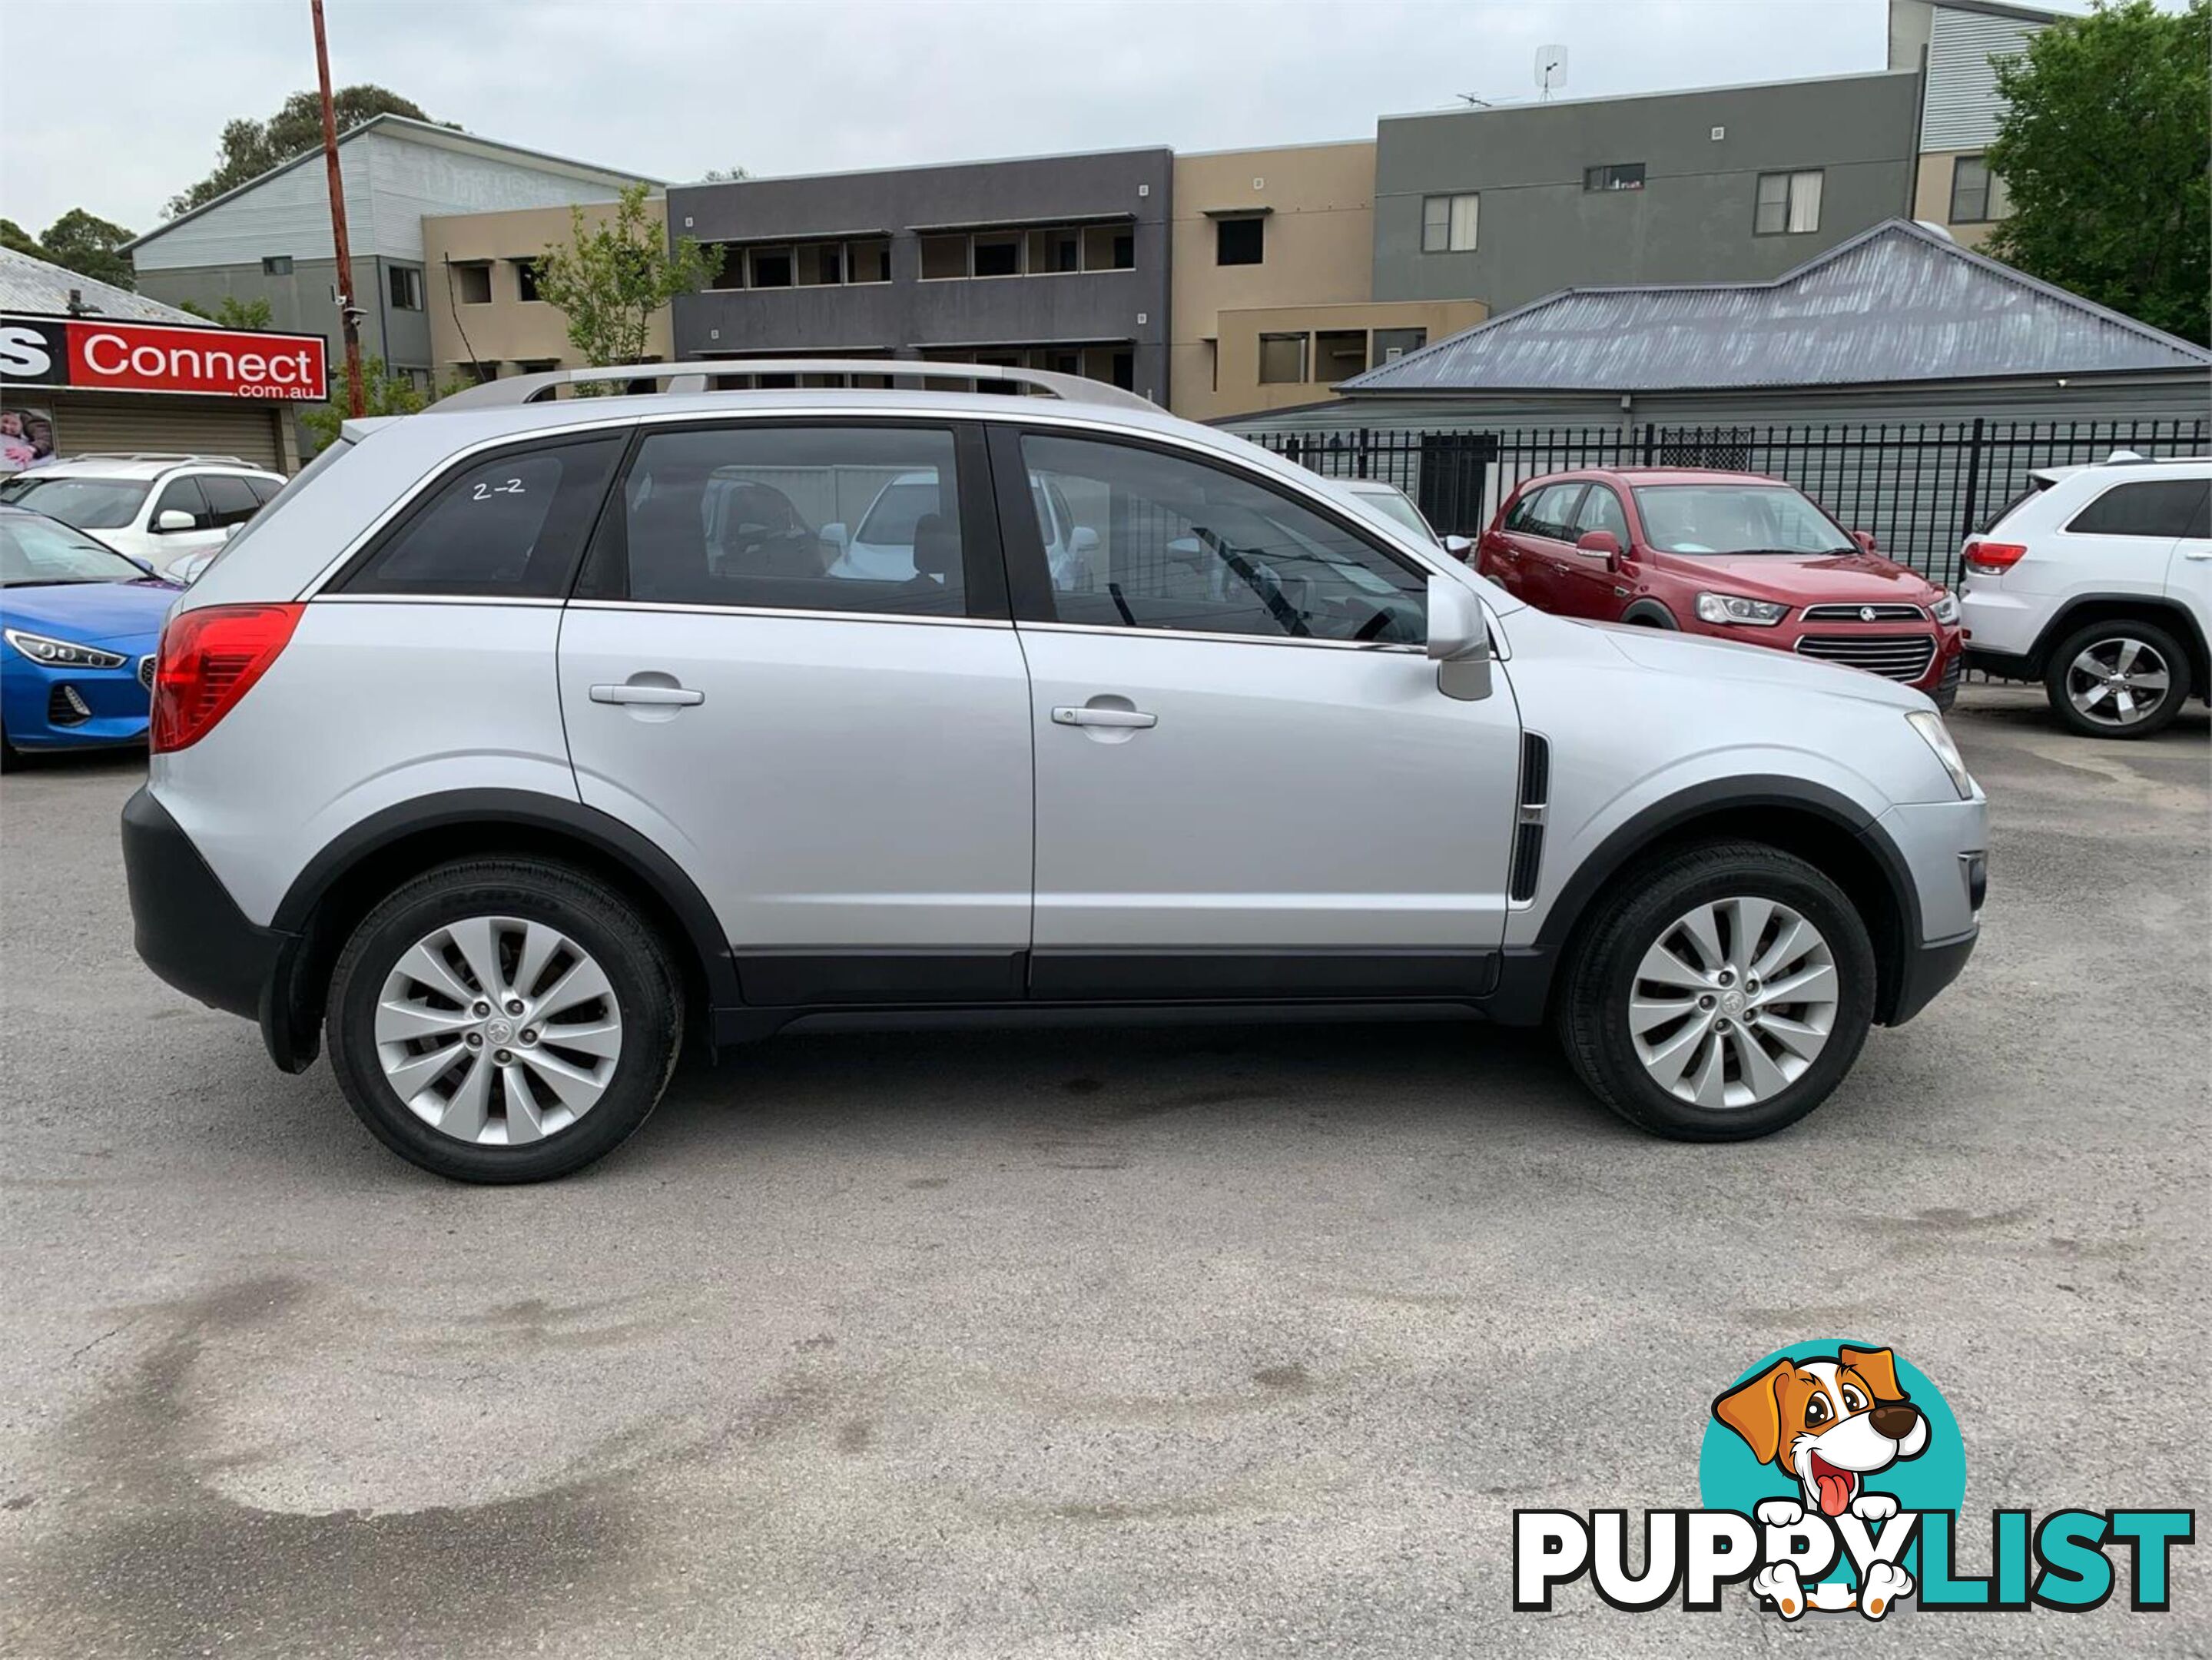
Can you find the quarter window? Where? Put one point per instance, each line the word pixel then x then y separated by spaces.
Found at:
pixel 1447 224
pixel 509 527
pixel 843 519
pixel 1163 542
pixel 1789 203
pixel 2160 507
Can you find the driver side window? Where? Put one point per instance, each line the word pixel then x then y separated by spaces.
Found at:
pixel 1161 542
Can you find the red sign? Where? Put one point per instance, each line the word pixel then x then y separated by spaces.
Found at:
pixel 93 354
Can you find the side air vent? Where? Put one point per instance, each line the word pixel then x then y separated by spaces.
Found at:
pixel 1528 815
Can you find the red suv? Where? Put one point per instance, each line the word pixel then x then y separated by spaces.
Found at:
pixel 1735 555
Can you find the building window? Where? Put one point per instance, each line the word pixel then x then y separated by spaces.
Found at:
pixel 1282 359
pixel 1391 344
pixel 1339 354
pixel 1109 247
pixel 944 257
pixel 999 254
pixel 526 279
pixel 1619 175
pixel 1447 224
pixel 472 285
pixel 277 264
pixel 1055 251
pixel 407 287
pixel 1240 241
pixel 768 268
pixel 1977 196
pixel 1789 203
pixel 868 261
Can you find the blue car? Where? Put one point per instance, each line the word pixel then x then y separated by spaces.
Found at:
pixel 79 623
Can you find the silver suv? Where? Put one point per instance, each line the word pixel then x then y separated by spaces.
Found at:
pixel 520 742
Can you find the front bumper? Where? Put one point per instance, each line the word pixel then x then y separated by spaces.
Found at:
pixel 1944 845
pixel 186 927
pixel 49 707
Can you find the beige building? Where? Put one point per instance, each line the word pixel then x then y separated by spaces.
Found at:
pixel 486 319
pixel 1954 44
pixel 1272 268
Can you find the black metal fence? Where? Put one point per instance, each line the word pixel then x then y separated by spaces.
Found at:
pixel 1921 487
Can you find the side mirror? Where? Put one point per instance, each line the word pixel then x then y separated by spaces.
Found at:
pixel 1600 544
pixel 1186 550
pixel 1459 640
pixel 835 535
pixel 1083 539
pixel 1459 547
pixel 172 519
pixel 1865 540
pixel 229 531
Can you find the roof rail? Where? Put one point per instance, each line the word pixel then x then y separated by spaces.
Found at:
pixel 154 455
pixel 693 376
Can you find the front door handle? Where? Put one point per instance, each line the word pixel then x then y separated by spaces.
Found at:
pixel 661 697
pixel 1065 717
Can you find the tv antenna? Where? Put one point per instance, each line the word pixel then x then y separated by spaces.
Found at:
pixel 1478 103
pixel 1550 69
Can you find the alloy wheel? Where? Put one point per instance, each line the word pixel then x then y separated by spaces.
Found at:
pixel 498 1030
pixel 2118 681
pixel 1733 1001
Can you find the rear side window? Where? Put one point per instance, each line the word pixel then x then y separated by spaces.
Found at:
pixel 232 502
pixel 509 528
pixel 793 518
pixel 2162 507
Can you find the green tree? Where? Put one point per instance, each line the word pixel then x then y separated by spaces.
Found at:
pixel 234 312
pixel 78 241
pixel 612 276
pixel 2102 148
pixel 382 393
pixel 250 149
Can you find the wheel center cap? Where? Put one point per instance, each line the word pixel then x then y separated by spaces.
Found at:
pixel 498 1031
pixel 1731 1002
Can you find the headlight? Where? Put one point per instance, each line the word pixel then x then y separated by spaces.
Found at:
pixel 1735 608
pixel 1929 724
pixel 61 654
pixel 1946 608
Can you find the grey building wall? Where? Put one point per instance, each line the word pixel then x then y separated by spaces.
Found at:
pixel 907 315
pixel 302 301
pixel 1539 231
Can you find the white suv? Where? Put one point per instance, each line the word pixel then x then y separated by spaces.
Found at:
pixel 2098 582
pixel 481 757
pixel 170 511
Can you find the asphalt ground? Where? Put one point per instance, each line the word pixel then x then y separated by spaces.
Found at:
pixel 1220 1340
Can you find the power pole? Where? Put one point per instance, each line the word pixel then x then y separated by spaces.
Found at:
pixel 349 314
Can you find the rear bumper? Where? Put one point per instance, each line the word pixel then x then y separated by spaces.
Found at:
pixel 186 927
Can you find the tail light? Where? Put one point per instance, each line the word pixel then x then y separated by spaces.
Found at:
pixel 208 659
pixel 1988 558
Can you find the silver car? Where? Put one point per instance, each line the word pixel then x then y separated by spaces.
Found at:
pixel 506 753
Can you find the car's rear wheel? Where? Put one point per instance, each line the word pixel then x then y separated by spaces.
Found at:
pixel 2124 678
pixel 503 1020
pixel 1721 994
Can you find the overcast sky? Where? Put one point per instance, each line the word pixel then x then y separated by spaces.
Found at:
pixel 116 107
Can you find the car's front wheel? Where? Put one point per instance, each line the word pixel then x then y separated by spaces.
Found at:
pixel 503 1020
pixel 2125 678
pixel 1721 992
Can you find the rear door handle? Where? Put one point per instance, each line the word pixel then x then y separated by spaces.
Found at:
pixel 664 696
pixel 1065 716
pixel 2197 553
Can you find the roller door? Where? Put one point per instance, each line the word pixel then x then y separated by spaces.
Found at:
pixel 195 426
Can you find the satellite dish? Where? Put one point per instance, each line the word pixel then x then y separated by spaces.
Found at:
pixel 1550 69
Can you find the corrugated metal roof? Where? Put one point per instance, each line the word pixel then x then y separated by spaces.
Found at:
pixel 1897 303
pixel 32 285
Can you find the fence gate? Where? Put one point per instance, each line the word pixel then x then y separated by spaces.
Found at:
pixel 1449 490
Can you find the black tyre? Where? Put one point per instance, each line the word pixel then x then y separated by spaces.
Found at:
pixel 504 1020
pixel 2122 678
pixel 1720 992
pixel 11 756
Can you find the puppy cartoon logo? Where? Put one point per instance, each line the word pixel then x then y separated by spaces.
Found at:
pixel 1831 1421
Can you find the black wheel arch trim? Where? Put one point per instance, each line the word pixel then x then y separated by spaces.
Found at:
pixel 1650 613
pixel 2158 609
pixel 603 833
pixel 1524 988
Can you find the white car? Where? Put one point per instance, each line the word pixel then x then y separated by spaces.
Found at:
pixel 2098 582
pixel 170 511
pixel 509 748
pixel 1397 507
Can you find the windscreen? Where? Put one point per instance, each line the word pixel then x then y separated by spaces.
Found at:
pixel 1737 519
pixel 87 503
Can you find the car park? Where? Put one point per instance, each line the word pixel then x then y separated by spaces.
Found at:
pixel 474 762
pixel 78 625
pixel 173 511
pixel 1729 555
pixel 2097 581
